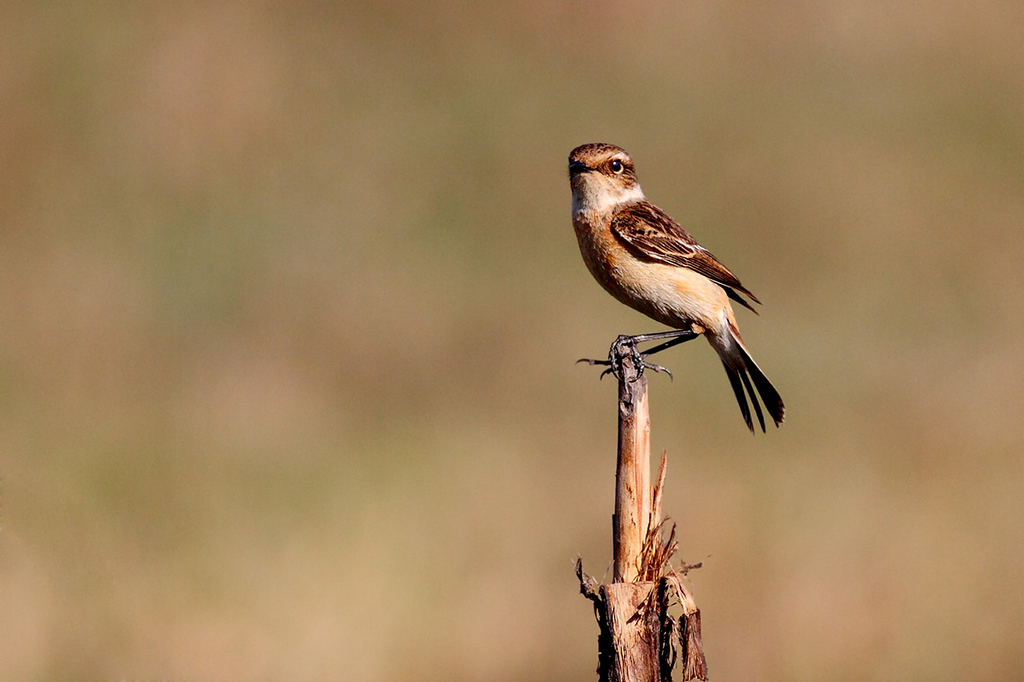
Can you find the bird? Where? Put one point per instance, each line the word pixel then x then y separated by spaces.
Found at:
pixel 646 260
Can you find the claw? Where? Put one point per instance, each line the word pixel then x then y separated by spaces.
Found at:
pixel 656 368
pixel 610 369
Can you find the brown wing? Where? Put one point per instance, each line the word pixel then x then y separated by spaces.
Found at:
pixel 653 234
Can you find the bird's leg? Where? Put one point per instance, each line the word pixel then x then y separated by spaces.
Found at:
pixel 675 337
pixel 626 346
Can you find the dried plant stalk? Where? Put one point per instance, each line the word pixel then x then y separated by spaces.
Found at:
pixel 640 641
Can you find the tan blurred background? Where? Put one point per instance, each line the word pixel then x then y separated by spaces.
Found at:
pixel 290 300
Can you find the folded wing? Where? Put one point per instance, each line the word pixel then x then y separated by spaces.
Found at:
pixel 653 234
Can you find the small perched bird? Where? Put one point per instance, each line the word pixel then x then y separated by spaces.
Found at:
pixel 646 260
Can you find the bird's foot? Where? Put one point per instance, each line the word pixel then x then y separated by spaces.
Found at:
pixel 623 348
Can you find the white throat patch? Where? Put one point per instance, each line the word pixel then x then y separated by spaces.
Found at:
pixel 602 196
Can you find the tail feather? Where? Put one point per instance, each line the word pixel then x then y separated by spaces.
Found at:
pixel 769 396
pixel 741 370
pixel 753 399
pixel 737 388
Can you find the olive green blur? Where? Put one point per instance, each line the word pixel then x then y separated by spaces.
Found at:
pixel 290 303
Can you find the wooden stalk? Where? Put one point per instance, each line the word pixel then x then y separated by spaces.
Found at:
pixel 640 641
pixel 634 629
pixel 633 474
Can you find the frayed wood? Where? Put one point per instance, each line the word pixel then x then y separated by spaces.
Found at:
pixel 635 632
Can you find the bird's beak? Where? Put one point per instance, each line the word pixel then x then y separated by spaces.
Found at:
pixel 577 167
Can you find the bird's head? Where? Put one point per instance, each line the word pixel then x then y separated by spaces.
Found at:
pixel 602 176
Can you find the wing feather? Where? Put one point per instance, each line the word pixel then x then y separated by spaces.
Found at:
pixel 652 233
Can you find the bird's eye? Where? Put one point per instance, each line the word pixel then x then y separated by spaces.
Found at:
pixel 616 166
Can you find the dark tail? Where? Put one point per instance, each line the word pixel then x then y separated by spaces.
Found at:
pixel 741 370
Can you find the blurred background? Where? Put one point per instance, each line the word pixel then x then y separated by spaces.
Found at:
pixel 290 303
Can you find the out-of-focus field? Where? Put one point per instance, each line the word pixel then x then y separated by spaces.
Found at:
pixel 290 301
